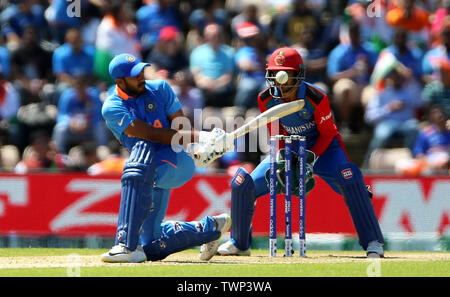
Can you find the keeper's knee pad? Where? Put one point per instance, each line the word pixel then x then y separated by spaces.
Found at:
pixel 137 183
pixel 350 181
pixel 242 208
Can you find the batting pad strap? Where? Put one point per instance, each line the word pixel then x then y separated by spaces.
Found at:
pixel 178 241
pixel 351 183
pixel 242 208
pixel 135 203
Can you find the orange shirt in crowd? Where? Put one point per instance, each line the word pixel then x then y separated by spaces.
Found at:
pixel 419 20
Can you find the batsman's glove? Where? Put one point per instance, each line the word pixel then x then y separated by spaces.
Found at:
pixel 211 147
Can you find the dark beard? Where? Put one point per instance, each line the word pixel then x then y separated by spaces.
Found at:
pixel 133 93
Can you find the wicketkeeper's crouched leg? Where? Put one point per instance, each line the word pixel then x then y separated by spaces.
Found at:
pixel 350 181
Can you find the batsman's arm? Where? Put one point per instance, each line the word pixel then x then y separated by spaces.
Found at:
pixel 141 129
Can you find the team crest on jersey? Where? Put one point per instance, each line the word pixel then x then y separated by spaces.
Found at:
pixel 305 114
pixel 150 106
pixel 130 59
pixel 280 59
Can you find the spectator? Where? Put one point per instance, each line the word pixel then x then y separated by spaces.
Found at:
pixel 168 53
pixel 349 68
pixel 15 19
pixel 5 61
pixel 438 91
pixel 436 56
pixel 112 165
pixel 79 117
pixel 116 34
pixel 250 15
pixel 9 105
pixel 392 112
pixel 59 20
pixel 83 156
pixel 190 97
pixel 30 67
pixel 41 155
pixel 440 18
pixel 408 16
pixel 250 62
pixel 433 142
pixel 208 12
pixel 152 18
pixel 371 16
pixel 289 26
pixel 314 58
pixel 212 66
pixel 73 59
pixel 409 56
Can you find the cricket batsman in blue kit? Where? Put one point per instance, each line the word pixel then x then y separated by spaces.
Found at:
pixel 323 142
pixel 139 113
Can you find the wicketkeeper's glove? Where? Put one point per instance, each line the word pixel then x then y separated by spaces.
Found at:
pixel 281 173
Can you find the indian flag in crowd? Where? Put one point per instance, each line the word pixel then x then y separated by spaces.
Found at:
pixel 113 38
pixel 386 63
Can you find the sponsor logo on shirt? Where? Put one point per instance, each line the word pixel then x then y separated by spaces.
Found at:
pixel 325 118
pixel 300 129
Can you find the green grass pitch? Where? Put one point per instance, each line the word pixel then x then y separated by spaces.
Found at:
pixel 86 263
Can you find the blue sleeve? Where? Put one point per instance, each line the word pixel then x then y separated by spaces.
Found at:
pixel 194 61
pixel 426 65
pixel 95 94
pixel 333 62
pixel 5 62
pixel 116 115
pixel 229 63
pixel 242 55
pixel 64 106
pixel 421 144
pixel 57 62
pixel 172 104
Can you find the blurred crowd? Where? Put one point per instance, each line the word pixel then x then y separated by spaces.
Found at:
pixel 384 63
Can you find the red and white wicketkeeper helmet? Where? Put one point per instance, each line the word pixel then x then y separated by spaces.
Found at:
pixel 284 58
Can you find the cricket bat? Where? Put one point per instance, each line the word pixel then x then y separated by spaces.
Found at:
pixel 270 115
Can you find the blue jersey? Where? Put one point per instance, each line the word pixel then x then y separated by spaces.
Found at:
pixel 154 106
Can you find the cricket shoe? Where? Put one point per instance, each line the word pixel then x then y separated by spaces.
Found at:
pixel 120 254
pixel 222 224
pixel 375 250
pixel 229 249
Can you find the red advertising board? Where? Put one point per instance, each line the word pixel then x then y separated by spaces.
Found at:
pixel 78 204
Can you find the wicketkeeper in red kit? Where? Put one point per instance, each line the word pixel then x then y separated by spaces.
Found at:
pixel 324 143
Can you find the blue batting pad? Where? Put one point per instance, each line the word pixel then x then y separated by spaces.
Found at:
pixel 136 200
